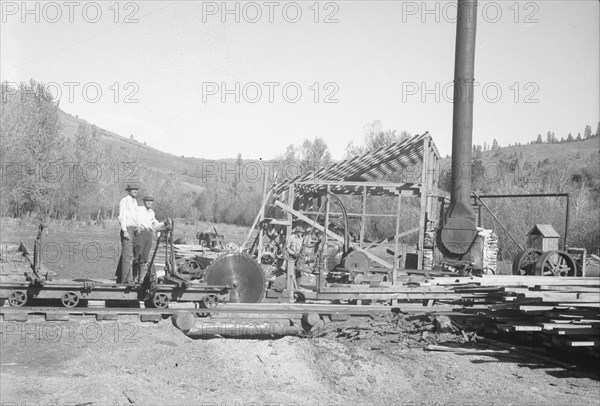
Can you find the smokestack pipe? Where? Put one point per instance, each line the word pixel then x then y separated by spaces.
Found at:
pixel 459 231
pixel 462 117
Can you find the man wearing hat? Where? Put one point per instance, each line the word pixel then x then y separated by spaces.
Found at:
pixel 294 248
pixel 143 241
pixel 128 213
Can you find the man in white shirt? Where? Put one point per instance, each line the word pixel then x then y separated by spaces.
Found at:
pixel 142 243
pixel 128 219
pixel 294 248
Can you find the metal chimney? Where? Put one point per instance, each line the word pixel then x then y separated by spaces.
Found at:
pixel 459 231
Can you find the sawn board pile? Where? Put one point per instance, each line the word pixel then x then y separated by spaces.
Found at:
pixel 559 312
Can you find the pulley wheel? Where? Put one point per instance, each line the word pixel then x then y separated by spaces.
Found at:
pixel 555 263
pixel 17 298
pixel 70 299
pixel 524 262
pixel 241 274
pixel 357 261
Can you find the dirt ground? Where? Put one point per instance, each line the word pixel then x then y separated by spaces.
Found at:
pixel 125 362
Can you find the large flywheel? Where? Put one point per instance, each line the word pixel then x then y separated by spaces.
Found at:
pixel 241 273
pixel 555 263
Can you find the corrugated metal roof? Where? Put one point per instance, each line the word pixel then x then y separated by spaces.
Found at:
pixel 370 166
pixel 546 230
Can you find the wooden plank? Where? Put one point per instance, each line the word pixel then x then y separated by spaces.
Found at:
pixel 574 332
pixel 564 297
pixel 594 343
pixel 515 280
pixel 563 326
pixel 590 289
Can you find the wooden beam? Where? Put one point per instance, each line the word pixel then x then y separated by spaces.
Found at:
pixel 363 217
pixel 291 266
pixel 331 234
pixel 402 234
pixel 423 208
pixel 396 240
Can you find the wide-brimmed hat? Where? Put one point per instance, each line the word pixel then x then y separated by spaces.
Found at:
pixel 131 186
pixel 148 199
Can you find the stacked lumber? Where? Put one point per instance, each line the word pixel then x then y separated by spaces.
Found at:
pixel 557 312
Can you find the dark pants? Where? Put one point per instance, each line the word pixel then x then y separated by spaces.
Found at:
pixel 124 274
pixel 141 251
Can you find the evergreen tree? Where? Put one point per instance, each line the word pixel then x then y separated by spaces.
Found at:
pixel 539 139
pixel 570 138
pixel 587 133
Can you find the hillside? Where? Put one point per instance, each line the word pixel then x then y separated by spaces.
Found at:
pixel 169 164
pixel 569 151
pixel 576 153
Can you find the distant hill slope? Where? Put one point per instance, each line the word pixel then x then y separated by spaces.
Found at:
pixel 575 152
pixel 169 164
pixel 539 152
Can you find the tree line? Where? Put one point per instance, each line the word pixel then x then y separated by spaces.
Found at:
pixel 47 175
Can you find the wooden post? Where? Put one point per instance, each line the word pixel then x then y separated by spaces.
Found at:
pixel 363 217
pixel 424 193
pixel 291 268
pixel 396 239
pixel 327 207
pixel 262 216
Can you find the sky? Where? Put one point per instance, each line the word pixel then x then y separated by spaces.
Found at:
pixel 214 79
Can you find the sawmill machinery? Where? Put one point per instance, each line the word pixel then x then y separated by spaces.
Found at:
pixel 458 232
pixel 230 277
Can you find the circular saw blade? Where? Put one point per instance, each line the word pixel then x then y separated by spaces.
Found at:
pixel 242 273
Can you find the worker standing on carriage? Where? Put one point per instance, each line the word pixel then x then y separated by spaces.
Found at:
pixel 294 248
pixel 143 241
pixel 128 212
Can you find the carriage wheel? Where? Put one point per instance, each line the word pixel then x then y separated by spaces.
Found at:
pixel 160 301
pixel 70 299
pixel 17 298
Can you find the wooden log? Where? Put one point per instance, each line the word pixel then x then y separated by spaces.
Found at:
pixel 183 320
pixel 55 316
pixel 234 329
pixel 16 316
pixel 153 317
pixel 310 321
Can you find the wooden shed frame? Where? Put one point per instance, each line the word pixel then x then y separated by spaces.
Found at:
pixel 358 177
